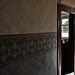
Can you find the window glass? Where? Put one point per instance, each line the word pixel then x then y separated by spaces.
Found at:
pixel 64 25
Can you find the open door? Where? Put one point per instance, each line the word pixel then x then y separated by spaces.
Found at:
pixel 66 33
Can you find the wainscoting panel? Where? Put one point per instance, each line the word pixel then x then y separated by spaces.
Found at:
pixel 28 54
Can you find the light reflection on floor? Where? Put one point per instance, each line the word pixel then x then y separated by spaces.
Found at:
pixel 70 73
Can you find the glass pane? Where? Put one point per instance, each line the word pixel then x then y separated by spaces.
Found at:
pixel 65 31
pixel 65 21
pixel 64 25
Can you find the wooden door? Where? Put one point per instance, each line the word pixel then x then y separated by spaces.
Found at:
pixel 71 48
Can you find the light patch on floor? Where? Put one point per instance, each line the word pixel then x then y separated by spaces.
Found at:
pixel 70 73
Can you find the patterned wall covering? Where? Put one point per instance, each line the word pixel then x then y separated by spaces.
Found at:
pixel 17 48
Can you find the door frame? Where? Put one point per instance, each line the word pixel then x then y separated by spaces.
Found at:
pixel 60 8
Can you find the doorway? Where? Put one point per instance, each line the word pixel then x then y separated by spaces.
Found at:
pixel 65 34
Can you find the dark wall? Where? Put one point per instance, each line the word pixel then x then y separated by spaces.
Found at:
pixel 29 54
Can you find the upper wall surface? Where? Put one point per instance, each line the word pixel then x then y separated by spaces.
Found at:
pixel 70 3
pixel 27 16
